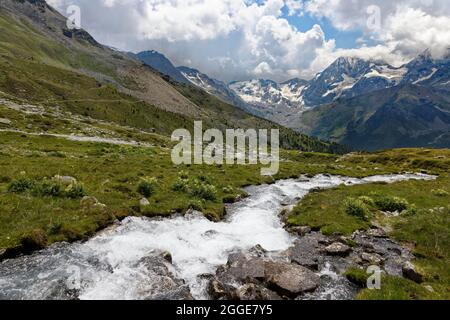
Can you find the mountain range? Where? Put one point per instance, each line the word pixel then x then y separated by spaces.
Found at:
pixel 351 101
pixel 44 62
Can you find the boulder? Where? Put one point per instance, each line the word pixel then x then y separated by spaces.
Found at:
pixel 410 272
pixel 253 291
pixel 158 281
pixel 243 268
pixel 289 279
pixel 338 249
pixel 4 121
pixel 305 252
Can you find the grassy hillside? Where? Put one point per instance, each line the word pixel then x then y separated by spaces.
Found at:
pixel 399 117
pixel 41 64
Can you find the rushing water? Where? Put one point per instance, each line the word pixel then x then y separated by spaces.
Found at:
pixel 107 266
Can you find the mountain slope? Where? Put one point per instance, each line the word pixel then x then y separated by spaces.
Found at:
pixel 160 63
pixel 402 116
pixel 43 62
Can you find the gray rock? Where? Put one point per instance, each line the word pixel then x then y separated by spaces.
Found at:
pixel 301 231
pixel 410 272
pixel 376 233
pixel 306 252
pixel 219 291
pixel 144 202
pixel 289 279
pixel 243 268
pixel 159 283
pixel 372 258
pixel 4 121
pixel 65 180
pixel 252 291
pixel 338 249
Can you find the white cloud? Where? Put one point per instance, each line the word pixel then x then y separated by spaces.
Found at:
pixel 241 39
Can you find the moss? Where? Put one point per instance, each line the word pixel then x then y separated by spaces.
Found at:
pixel 357 276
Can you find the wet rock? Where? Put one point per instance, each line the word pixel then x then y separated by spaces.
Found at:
pixel 410 272
pixel 219 291
pixel 289 279
pixel 301 231
pixel 255 292
pixel 4 121
pixel 338 249
pixel 305 253
pixel 167 256
pixel 159 282
pixel 258 251
pixel 243 268
pixel 372 258
pixel 2 253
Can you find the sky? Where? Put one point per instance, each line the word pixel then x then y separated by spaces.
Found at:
pixel 234 40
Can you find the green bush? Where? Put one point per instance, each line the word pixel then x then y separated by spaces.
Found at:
pixel 440 193
pixel 367 200
pixel 203 190
pixel 75 191
pixel 356 207
pixel 181 185
pixel 147 186
pixel 21 185
pixel 392 204
pixel 48 188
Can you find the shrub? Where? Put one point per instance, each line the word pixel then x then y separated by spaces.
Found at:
pixel 203 190
pixel 75 190
pixel 196 205
pixel 181 185
pixel 54 228
pixel 367 200
pixel 48 188
pixel 392 204
pixel 147 186
pixel 356 208
pixel 228 189
pixel 21 185
pixel 440 193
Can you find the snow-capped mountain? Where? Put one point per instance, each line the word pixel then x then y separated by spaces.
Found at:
pixel 268 93
pixel 350 77
pixel 426 71
pixel 212 86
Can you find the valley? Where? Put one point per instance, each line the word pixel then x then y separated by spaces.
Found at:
pixel 88 186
